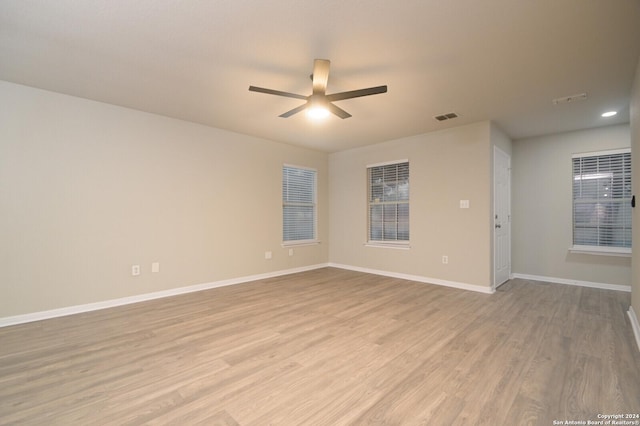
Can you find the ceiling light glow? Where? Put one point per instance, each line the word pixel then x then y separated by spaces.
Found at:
pixel 609 114
pixel 317 113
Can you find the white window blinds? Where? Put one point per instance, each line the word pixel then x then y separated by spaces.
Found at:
pixel 389 202
pixel 298 204
pixel 602 199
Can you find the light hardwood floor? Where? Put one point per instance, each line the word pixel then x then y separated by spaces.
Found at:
pixel 329 347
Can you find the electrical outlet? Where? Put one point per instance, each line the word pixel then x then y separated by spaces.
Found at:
pixel 135 270
pixel 155 267
pixel 290 252
pixel 267 255
pixel 445 259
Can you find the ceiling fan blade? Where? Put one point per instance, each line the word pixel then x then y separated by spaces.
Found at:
pixel 356 93
pixel 293 111
pixel 320 75
pixel 276 92
pixel 338 111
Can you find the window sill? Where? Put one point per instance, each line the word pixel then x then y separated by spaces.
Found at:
pixel 300 243
pixel 379 244
pixel 601 251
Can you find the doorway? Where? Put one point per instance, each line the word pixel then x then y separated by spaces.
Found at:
pixel 501 217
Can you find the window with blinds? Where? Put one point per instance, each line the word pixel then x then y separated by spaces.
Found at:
pixel 389 203
pixel 602 200
pixel 298 205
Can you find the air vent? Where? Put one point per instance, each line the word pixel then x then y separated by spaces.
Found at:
pixel 447 116
pixel 570 99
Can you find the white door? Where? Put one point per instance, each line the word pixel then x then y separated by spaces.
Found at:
pixel 502 216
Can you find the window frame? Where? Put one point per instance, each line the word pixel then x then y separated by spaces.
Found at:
pixel 388 243
pixel 602 249
pixel 313 204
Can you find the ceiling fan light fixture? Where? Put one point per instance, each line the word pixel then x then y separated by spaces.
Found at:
pixel 317 112
pixel 319 105
pixel 317 109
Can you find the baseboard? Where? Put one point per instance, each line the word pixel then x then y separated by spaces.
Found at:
pixel 54 313
pixel 418 278
pixel 579 283
pixel 634 325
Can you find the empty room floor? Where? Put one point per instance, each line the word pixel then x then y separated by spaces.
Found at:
pixel 329 347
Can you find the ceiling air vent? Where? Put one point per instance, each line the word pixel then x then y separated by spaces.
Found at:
pixel 448 116
pixel 570 99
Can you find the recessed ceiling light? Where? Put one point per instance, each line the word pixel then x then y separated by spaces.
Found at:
pixel 609 114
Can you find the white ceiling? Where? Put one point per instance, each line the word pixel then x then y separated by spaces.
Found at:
pixel 501 60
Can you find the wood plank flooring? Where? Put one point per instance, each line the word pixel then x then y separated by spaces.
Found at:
pixel 329 347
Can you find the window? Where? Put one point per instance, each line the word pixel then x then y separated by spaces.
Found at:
pixel 602 201
pixel 298 205
pixel 388 204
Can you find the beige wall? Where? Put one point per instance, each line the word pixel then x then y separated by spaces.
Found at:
pixel 88 189
pixel 542 207
pixel 500 139
pixel 635 155
pixel 445 167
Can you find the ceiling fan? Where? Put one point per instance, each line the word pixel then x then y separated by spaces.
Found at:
pixel 319 100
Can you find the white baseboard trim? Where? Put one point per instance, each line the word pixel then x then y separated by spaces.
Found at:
pixel 418 278
pixel 54 313
pixel 634 325
pixel 579 283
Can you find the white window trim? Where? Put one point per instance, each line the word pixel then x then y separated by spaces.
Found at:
pixel 601 251
pixel 295 166
pixel 602 153
pixel 386 163
pixel 300 243
pixel 315 206
pixel 399 245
